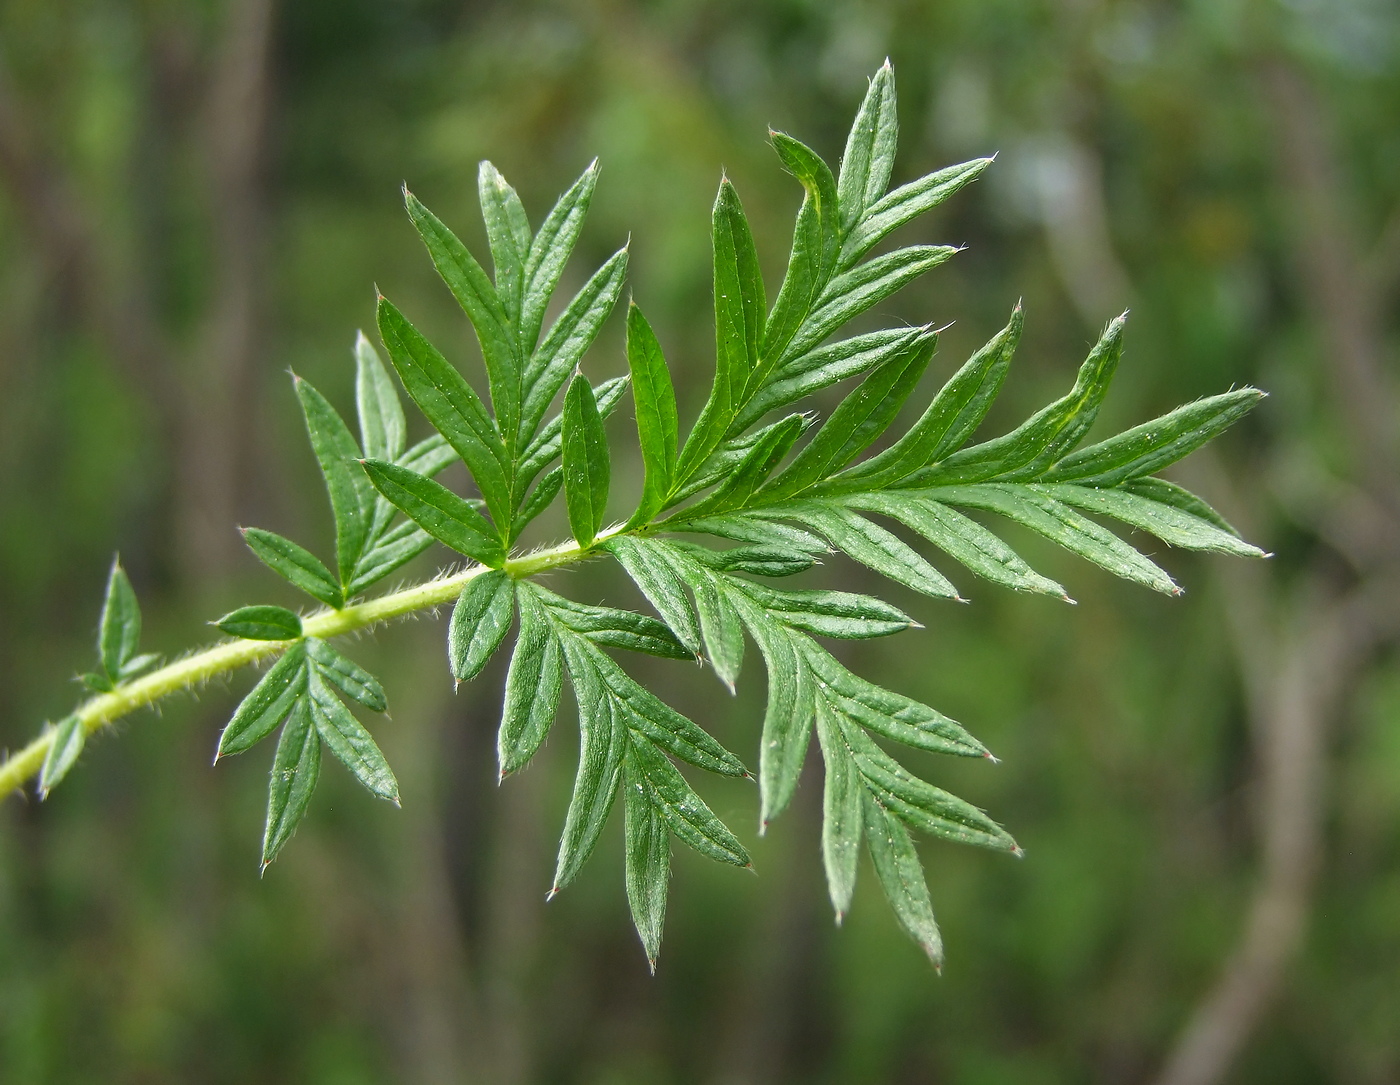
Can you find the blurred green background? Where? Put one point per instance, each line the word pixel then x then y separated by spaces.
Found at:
pixel 197 195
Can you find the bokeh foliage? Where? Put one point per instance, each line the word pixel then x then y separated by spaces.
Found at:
pixel 136 944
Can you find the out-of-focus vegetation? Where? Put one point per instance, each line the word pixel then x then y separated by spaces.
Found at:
pixel 195 197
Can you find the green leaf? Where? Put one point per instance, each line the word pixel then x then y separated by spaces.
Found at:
pixel 480 621
pixel 645 714
pixel 1061 524
pixel 725 460
pixel 901 877
pixel 541 497
pixel 687 816
pixel 950 419
pixel 905 204
pixel 860 418
pixel 869 544
pixel 815 238
pixel 350 742
pixel 739 301
pixel 648 862
pixel 787 721
pixel 295 564
pixel 547 444
pixel 1169 524
pixel 758 463
pixel 508 232
pixel 739 309
pixel 585 462
pixel 438 511
pixel 532 687
pixel 1153 445
pixel 960 538
pixel 821 368
pixel 267 704
pixel 295 770
pixel 760 532
pixel 841 813
pixel 450 404
pixel 853 292
pixel 656 413
pixel 478 299
pixel 1047 435
pixel 920 804
pixel 346 675
pixel 261 623
pixel 350 495
pixel 549 252
pixel 429 456
pixel 831 613
pixel 614 628
pixel 656 578
pixel 887 713
pixel 756 560
pixel 69 736
pixel 1169 493
pixel 602 746
pixel 869 155
pixel 383 432
pixel 720 628
pixel 572 334
pixel 119 631
pixel 398 546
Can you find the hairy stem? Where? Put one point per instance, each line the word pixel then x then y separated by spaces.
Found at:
pixel 194 670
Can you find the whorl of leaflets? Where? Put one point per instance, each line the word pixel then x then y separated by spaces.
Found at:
pixel 769 489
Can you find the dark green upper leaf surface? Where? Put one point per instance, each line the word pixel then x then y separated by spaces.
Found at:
pixel 648 861
pixel 295 564
pixel 1049 434
pixel 585 462
pixel 508 233
pixel 905 204
pixel 572 334
pixel 438 511
pixel 1153 445
pixel 547 444
pixel 870 148
pixel 657 426
pixel 346 675
pixel 350 494
pixel 267 704
pixel 261 623
pixel 295 770
pixel 815 238
pixel 477 297
pixel 451 405
pixel 480 621
pixel 533 683
pixel 549 252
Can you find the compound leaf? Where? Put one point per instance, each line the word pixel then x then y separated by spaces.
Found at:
pixel 347 738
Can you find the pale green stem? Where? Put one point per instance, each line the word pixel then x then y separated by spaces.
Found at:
pixel 194 670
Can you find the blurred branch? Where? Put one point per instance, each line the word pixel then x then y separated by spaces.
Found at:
pixel 1068 179
pixel 117 309
pixel 1335 285
pixel 1298 680
pixel 212 447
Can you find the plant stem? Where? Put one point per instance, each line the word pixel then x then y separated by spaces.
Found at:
pixel 193 670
